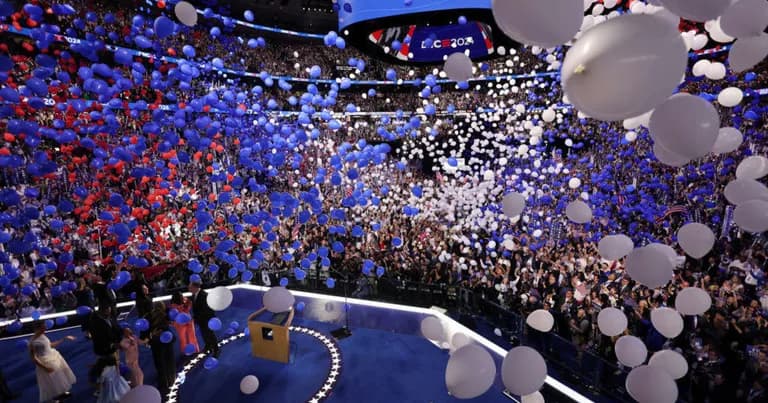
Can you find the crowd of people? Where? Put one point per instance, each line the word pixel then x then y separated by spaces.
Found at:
pixel 101 201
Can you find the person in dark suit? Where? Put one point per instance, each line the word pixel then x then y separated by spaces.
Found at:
pixel 105 334
pixel 104 295
pixel 202 313
pixel 162 353
pixel 143 307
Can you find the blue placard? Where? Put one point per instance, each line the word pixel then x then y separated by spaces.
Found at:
pixel 433 43
pixel 354 11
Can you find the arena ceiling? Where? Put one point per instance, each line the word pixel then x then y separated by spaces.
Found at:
pixel 314 16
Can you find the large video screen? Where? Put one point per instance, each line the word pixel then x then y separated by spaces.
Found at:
pixel 354 11
pixel 429 44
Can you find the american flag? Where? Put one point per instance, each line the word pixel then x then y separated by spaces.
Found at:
pixel 678 208
pixel 620 200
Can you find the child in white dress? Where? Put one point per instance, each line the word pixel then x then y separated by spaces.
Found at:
pixel 112 386
pixel 54 377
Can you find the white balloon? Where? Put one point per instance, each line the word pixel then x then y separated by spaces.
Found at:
pixel 671 361
pixel 186 13
pixel 459 340
pixel 631 123
pixel 142 394
pixel 643 47
pixel 692 301
pixel 650 267
pixel 497 332
pixel 716 33
pixel 470 372
pixel 630 351
pixel 637 7
pixel 630 136
pixel 513 204
pixel 278 299
pixel 548 115
pixel 743 190
pixel 219 298
pixel 523 371
pixel 748 52
pixel 541 320
pixel 534 397
pixel 611 322
pixel 458 67
pixel 697 10
pixel 544 23
pixel 696 239
pixel 508 244
pixel 728 139
pixel 730 97
pixel 648 384
pixel 432 328
pixel 666 250
pixel 574 183
pixel 745 18
pixel 667 157
pixel 692 137
pixel 667 322
pixel 698 43
pixel 700 67
pixel 578 212
pixel 715 71
pixel 614 247
pixel 752 216
pixel 753 167
pixel 249 384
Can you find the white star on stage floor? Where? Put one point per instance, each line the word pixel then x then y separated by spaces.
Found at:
pixel 317 398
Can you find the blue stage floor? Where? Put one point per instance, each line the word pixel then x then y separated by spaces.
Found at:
pixel 385 360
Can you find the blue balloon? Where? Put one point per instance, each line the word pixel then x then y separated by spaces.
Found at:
pixel 164 26
pixel 300 306
pixel 190 349
pixel 248 14
pixel 214 324
pixel 330 282
pixel 397 242
pixel 337 247
pixel 183 318
pixel 142 324
pixel 315 71
pixel 283 282
pixel 417 191
pixel 83 310
pixel 188 50
pixel 166 337
pixel 210 363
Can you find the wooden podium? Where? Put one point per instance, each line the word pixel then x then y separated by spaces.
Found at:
pixel 269 340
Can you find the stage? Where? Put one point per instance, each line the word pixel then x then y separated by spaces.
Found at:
pixel 386 359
